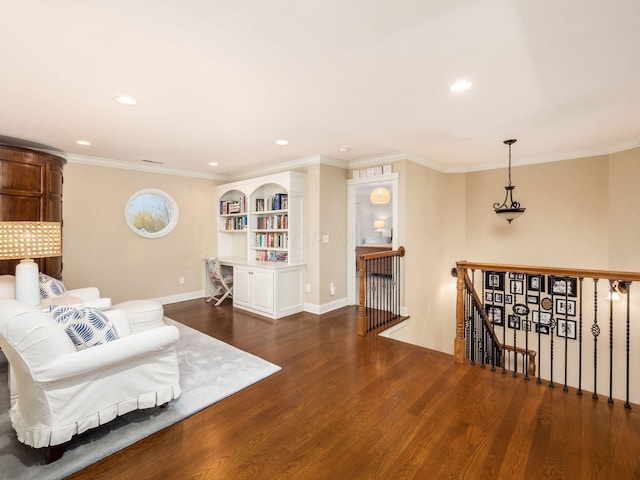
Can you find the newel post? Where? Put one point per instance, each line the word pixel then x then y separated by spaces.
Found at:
pixel 362 319
pixel 458 343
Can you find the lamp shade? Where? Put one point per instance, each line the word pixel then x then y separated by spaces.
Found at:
pixel 29 240
pixel 380 196
pixel 378 224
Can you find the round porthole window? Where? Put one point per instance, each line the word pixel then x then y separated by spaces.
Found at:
pixel 151 213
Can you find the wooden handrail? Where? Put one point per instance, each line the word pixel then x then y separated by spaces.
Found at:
pixel 565 272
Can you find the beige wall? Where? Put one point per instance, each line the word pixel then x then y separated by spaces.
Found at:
pixel 581 213
pixel 101 250
pixel 333 222
pixel 312 229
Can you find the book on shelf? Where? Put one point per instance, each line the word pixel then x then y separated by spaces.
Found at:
pixel 278 201
pixel 231 207
pixel 271 256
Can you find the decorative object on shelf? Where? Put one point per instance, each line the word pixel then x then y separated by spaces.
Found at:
pixel 509 209
pixel 28 240
pixel 151 213
pixel 380 196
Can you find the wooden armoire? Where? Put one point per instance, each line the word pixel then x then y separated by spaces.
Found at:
pixel 31 189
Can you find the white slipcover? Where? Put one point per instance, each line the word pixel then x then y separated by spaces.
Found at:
pixel 61 392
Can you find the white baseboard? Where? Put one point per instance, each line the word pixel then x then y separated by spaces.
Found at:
pixel 326 307
pixel 181 297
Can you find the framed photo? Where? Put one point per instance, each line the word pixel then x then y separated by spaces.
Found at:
pixel 525 325
pixel 563 286
pixel 514 322
pixel 535 283
pixel 488 296
pixel 543 318
pixel 494 280
pixel 517 287
pixel 565 307
pixel 542 329
pixel 508 299
pixel 519 276
pixel 498 297
pixel 567 329
pixel 534 299
pixel 512 275
pixel 496 314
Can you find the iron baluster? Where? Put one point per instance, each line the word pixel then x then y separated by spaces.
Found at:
pixel 627 405
pixel 610 400
pixel 579 392
pixel 595 331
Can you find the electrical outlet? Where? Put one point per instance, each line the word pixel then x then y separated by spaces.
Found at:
pixel 325 238
pixel 181 280
pixel 332 288
pixel 308 288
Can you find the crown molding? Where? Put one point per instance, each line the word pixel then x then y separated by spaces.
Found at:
pixel 350 165
pixel 111 163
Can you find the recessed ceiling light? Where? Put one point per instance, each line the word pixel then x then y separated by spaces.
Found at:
pixel 282 142
pixel 460 86
pixel 345 149
pixel 213 164
pixel 83 142
pixel 125 100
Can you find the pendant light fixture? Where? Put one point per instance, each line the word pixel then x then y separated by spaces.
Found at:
pixel 380 196
pixel 509 209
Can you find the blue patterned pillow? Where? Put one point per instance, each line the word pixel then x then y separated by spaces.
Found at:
pixel 50 287
pixel 86 327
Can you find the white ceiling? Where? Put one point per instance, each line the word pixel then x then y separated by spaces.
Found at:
pixel 221 80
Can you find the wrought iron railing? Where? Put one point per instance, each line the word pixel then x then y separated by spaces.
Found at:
pixel 550 321
pixel 379 290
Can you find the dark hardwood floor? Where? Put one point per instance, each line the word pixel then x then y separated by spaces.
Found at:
pixel 349 407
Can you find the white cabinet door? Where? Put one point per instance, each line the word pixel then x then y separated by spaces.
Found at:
pixel 263 290
pixel 242 286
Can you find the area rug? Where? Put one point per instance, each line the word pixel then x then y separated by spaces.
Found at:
pixel 210 370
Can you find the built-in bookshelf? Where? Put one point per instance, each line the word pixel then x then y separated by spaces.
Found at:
pixel 258 218
pixel 261 234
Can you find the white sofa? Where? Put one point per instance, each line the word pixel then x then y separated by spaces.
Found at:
pixel 59 391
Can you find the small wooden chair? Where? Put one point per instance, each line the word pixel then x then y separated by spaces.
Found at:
pixel 222 283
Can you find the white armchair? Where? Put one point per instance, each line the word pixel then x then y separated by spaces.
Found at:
pixel 59 391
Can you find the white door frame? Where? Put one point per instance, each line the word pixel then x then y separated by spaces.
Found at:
pixel 352 288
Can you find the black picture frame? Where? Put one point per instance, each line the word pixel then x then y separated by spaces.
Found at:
pixel 494 280
pixel 563 286
pixel 514 322
pixel 517 287
pixel 566 329
pixel 543 318
pixel 533 299
pixel 543 329
pixel 497 297
pixel 508 299
pixel 536 282
pixel 525 325
pixel 570 309
pixel 488 296
pixel 495 314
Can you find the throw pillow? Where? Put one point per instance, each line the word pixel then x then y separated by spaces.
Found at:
pixel 86 327
pixel 50 287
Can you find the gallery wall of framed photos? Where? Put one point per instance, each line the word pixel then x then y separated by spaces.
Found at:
pixel 542 304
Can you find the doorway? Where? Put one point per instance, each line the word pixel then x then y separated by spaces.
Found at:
pixel 372 223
